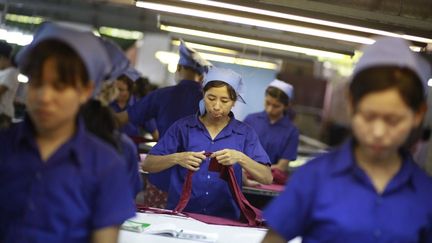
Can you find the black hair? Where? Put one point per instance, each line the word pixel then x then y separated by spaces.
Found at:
pixel 142 87
pixel 217 84
pixel 69 64
pixel 278 94
pixel 100 121
pixel 381 78
pixel 129 82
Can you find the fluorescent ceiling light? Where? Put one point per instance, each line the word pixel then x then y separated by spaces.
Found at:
pixel 24 19
pixel 255 22
pixel 121 33
pixel 307 20
pixel 172 59
pixel 246 41
pixel 15 37
pixel 206 48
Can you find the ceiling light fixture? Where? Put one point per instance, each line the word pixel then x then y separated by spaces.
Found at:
pixel 246 41
pixel 172 59
pixel 254 22
pixel 206 48
pixel 121 33
pixel 307 20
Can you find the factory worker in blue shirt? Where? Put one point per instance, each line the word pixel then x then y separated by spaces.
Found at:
pixel 368 190
pixel 123 75
pixel 215 130
pixel 125 99
pixel 59 183
pixel 277 134
pixel 169 104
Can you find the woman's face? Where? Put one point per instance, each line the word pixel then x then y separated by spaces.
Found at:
pixel 382 122
pixel 218 102
pixel 52 104
pixel 124 94
pixel 273 107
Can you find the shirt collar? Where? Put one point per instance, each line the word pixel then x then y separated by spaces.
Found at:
pixel 189 82
pixel 233 125
pixel 346 159
pixel 284 121
pixel 26 134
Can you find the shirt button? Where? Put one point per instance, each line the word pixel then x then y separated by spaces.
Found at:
pixel 377 233
pixel 38 176
pixel 212 142
pixel 206 193
pixel 208 176
pixel 204 209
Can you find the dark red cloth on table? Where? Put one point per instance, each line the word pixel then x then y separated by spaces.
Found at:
pixel 279 177
pixel 249 213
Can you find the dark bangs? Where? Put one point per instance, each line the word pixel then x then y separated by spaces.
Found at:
pixel 70 68
pixel 377 79
pixel 216 84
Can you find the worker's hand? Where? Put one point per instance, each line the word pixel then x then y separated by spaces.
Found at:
pixel 228 156
pixel 190 160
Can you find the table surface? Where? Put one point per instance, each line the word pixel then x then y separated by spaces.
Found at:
pixel 227 234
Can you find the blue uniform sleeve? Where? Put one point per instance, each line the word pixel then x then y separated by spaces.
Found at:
pixel 289 213
pixel 130 153
pixel 291 146
pixel 170 141
pixel 144 110
pixel 254 149
pixel 150 125
pixel 113 202
pixel 248 119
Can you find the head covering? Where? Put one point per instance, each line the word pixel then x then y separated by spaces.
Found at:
pixel 190 58
pixel 285 87
pixel 5 49
pixel 227 76
pixel 132 73
pixel 119 61
pixel 84 43
pixel 390 51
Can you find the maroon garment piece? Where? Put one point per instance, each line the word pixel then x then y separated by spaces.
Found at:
pixel 249 213
pixel 279 177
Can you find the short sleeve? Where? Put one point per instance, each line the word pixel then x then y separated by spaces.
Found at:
pixel 248 119
pixel 254 149
pixel 143 110
pixel 150 125
pixel 170 141
pixel 113 202
pixel 289 213
pixel 291 145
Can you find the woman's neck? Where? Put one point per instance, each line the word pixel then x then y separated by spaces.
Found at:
pixel 214 126
pixel 122 104
pixel 49 141
pixel 380 170
pixel 274 119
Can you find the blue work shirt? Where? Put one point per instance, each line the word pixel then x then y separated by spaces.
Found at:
pixel 280 140
pixel 210 194
pixel 129 128
pixel 130 154
pixel 166 105
pixel 330 199
pixel 82 187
